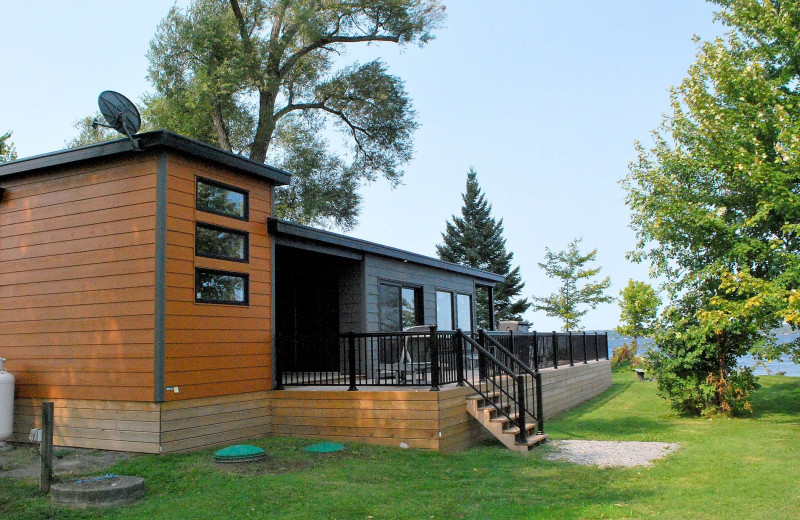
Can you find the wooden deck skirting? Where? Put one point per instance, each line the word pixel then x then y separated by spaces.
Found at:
pixel 388 416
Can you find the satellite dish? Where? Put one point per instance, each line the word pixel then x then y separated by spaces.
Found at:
pixel 119 113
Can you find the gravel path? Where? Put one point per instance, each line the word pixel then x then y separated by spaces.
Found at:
pixel 607 454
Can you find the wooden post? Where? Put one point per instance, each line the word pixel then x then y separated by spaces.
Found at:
pixel 46 448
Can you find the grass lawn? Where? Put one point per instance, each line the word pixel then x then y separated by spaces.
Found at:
pixel 742 468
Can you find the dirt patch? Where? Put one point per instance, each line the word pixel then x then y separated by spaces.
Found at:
pixel 22 461
pixel 266 466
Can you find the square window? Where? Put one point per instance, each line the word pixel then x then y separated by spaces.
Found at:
pixel 221 199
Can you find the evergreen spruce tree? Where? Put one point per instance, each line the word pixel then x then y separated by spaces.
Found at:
pixel 476 240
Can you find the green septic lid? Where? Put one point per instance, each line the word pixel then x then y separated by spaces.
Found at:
pixel 239 452
pixel 325 447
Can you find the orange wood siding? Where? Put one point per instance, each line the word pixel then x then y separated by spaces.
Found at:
pixel 213 350
pixel 77 263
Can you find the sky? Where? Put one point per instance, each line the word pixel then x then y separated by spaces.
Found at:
pixel 543 99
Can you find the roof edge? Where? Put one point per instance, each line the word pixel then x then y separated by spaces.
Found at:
pixel 285 227
pixel 146 141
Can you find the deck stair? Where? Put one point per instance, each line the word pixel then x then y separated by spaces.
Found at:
pixel 485 409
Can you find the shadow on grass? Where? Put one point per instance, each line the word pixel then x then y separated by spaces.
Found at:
pixel 775 399
pixel 593 404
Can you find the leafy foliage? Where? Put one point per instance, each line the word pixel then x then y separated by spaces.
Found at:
pixel 475 239
pixel 569 266
pixel 638 305
pixel 7 150
pixel 249 75
pixel 716 201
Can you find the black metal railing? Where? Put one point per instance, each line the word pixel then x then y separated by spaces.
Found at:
pixel 539 350
pixel 420 358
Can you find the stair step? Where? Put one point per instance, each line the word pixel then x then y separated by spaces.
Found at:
pixel 533 440
pixel 491 408
pixel 503 418
pixel 478 397
pixel 514 430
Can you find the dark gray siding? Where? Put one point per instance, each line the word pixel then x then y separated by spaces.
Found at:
pixel 377 269
pixel 352 314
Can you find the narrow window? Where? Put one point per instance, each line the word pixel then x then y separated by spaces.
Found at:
pixel 464 312
pixel 411 313
pixel 215 197
pixel 221 287
pixel 444 310
pixel 389 307
pixel 218 242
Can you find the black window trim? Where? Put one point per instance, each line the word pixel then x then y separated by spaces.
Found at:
pixel 245 234
pixel 453 317
pixel 224 186
pixel 419 299
pixel 471 309
pixel 246 276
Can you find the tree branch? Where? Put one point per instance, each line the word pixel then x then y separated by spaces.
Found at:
pixel 294 58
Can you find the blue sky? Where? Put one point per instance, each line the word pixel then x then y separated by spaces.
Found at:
pixel 544 99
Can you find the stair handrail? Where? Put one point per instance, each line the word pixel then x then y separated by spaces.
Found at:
pixel 518 396
pixel 535 375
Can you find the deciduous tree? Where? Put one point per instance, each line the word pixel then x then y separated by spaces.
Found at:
pixel 577 290
pixel 7 149
pixel 716 201
pixel 265 78
pixel 476 239
pixel 638 305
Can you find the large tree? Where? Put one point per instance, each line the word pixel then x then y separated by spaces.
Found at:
pixel 578 291
pixel 7 149
pixel 476 239
pixel 638 304
pixel 716 201
pixel 266 78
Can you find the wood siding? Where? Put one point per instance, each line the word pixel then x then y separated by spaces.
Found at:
pixel 211 421
pixel 566 387
pixel 107 425
pixel 376 417
pixel 77 262
pixel 212 350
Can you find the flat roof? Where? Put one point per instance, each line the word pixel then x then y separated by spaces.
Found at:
pixel 160 139
pixel 308 234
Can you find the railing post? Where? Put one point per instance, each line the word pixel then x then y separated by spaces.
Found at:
pixel 523 433
pixel 535 351
pixel 606 356
pixel 571 353
pixel 585 349
pixel 481 356
pixel 539 410
pixel 434 346
pixel 555 350
pixel 351 360
pixel 596 347
pixel 459 344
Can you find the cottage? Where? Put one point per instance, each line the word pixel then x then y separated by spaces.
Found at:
pixel 152 297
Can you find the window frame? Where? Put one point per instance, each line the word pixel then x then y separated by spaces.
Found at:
pixel 419 312
pixel 471 309
pixel 244 234
pixel 245 193
pixel 452 307
pixel 245 276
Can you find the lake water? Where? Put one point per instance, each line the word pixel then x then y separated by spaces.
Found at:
pixel 772 368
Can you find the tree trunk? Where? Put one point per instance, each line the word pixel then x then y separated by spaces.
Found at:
pixel 223 141
pixel 265 126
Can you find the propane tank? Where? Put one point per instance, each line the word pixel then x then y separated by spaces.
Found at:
pixel 6 403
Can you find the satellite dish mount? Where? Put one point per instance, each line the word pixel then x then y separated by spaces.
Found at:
pixel 118 113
